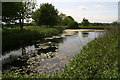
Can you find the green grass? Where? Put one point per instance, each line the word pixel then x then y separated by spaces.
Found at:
pixel 14 37
pixel 97 60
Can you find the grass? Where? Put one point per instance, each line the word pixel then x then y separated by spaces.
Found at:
pixel 14 37
pixel 97 60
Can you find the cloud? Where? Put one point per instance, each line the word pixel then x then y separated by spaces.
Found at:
pixel 95 12
pixel 43 1
pixel 98 18
pixel 12 0
pixel 101 7
pixel 83 8
pixel 80 12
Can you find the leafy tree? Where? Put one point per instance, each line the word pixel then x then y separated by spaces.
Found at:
pixel 68 21
pixel 85 22
pixel 74 25
pixel 14 11
pixel 10 12
pixel 61 19
pixel 26 9
pixel 46 15
pixel 36 16
pixel 114 23
pixel 62 16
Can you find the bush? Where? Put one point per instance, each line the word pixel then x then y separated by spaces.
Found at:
pixel 74 25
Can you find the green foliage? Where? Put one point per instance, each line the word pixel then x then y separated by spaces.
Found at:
pixel 26 9
pixel 14 11
pixel 68 21
pixel 36 16
pixel 96 25
pixel 61 18
pixel 98 59
pixel 85 22
pixel 46 15
pixel 74 25
pixel 10 12
pixel 115 23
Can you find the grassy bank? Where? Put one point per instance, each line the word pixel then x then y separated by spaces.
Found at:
pixel 14 37
pixel 98 59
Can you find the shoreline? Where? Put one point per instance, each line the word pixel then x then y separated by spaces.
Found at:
pixel 84 30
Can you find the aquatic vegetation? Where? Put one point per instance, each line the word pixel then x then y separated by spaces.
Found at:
pixel 97 60
pixel 14 37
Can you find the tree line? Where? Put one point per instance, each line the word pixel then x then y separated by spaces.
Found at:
pixel 17 13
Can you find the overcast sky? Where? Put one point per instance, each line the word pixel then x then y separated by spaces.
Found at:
pixel 95 11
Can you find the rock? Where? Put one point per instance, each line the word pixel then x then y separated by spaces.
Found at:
pixel 42 59
pixel 48 57
pixel 44 55
pixel 28 72
pixel 56 36
pixel 14 68
pixel 49 42
pixel 62 35
pixel 56 50
pixel 47 53
pixel 56 46
pixel 48 38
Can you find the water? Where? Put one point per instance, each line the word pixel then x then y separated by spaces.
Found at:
pixel 49 55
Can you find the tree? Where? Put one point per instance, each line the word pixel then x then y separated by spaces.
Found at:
pixel 85 22
pixel 61 19
pixel 10 12
pixel 35 16
pixel 68 21
pixel 26 9
pixel 74 25
pixel 114 23
pixel 14 11
pixel 46 15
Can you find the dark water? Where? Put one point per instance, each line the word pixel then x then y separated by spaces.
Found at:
pixel 48 55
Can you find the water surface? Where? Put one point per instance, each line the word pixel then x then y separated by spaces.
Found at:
pixel 50 54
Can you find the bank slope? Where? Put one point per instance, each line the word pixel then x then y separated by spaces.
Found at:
pixel 98 59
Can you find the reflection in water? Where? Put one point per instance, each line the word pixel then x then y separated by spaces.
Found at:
pixel 23 50
pixel 85 34
pixel 53 53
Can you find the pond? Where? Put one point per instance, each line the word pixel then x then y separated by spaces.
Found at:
pixel 50 54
